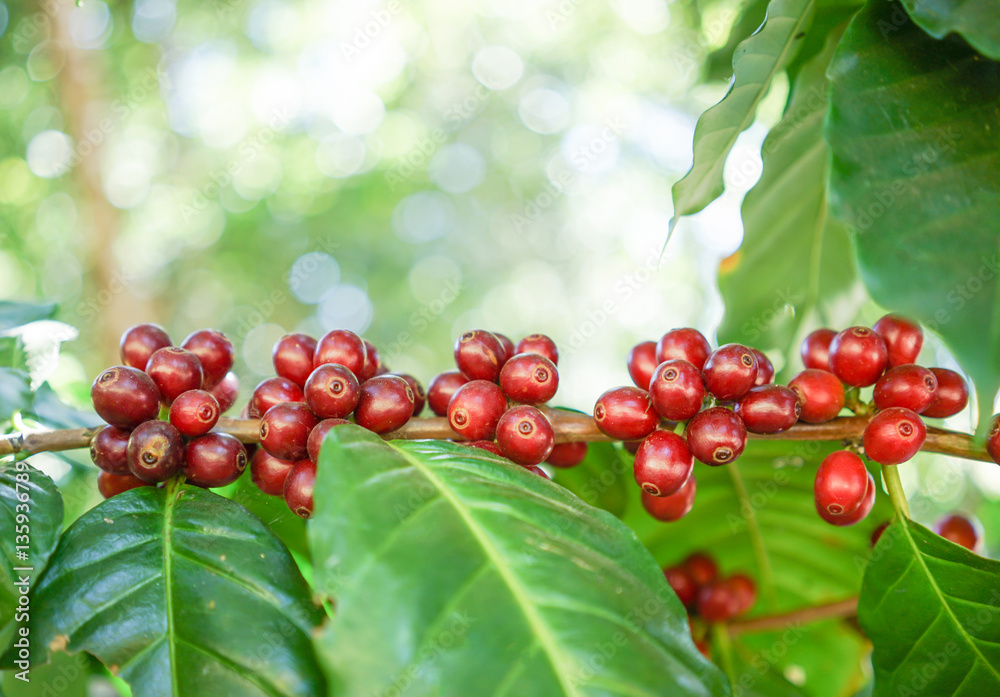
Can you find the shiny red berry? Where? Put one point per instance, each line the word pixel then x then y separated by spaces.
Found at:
pixel 174 370
pixel 745 590
pixel 386 403
pixel 540 344
pixel 903 338
pixel 284 430
pixel 215 352
pixel 765 369
pixel 815 349
pixel 479 355
pixel 441 389
pixel 676 390
pixel 821 395
pixel 155 451
pixel 316 436
pixel 138 343
pixel 716 436
pixel 909 386
pixel 108 449
pixel 663 463
pixel 894 436
pixel 718 602
pixel 475 409
pixel 730 371
pixel 525 435
pixel 529 378
pixel 626 413
pixel 343 347
pixel 125 397
pixel 214 460
pixel 674 507
pixel 960 530
pixel 419 395
pixel 373 363
pixel 110 484
pixel 860 514
pixel 769 409
pixel 332 391
pixel 682 584
pixel 858 356
pixel 293 357
pixel 685 344
pixel 269 473
pixel 226 392
pixel 270 392
pixel 487 445
pixel 535 469
pixel 641 363
pixel 702 568
pixel 841 484
pixel 993 439
pixel 565 455
pixel 298 488
pixel 508 347
pixel 951 397
pixel 194 413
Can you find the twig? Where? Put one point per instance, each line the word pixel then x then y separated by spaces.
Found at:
pixel 841 609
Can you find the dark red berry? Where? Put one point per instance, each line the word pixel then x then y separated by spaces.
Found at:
pixel 718 602
pixel 631 446
pixel 626 413
pixel 214 460
pixel 508 347
pixel 479 355
pixel 676 390
pixel 716 436
pixel 841 484
pixel 386 404
pixel 138 343
pixel 641 363
pixel 894 436
pixel 535 469
pixel 373 363
pixel 909 386
pixel 525 435
pixel 769 409
pixel 702 568
pixel 663 463
pixel 565 455
pixel 125 397
pixel 877 533
pixel 682 584
pixel 684 344
pixel 540 344
pixel 475 409
pixel 316 436
pixel 858 356
pixel 815 349
pixel 529 378
pixel 215 352
pixel 293 357
pixel 226 392
pixel 821 395
pixel 269 473
pixel 108 449
pixel 903 338
pixel 343 347
pixel 174 370
pixel 110 484
pixel 332 391
pixel 194 413
pixel 730 371
pixel 441 389
pixel 270 392
pixel 419 396
pixel 298 489
pixel 155 451
pixel 673 507
pixel 951 397
pixel 765 369
pixel 745 590
pixel 960 530
pixel 487 445
pixel 284 430
pixel 864 509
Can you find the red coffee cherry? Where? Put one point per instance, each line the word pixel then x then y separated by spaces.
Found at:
pixel 765 369
pixel 373 363
pixel 479 355
pixel 626 413
pixel 769 409
pixel 702 568
pixel 298 489
pixel 841 484
pixel 745 590
pixel 716 436
pixel 194 413
pixel 386 403
pixel 155 451
pixel 174 370
pixel 682 584
pixel 673 507
pixel 475 409
pixel 566 455
pixel 108 449
pixel 960 530
pixel 815 349
pixel 951 397
pixel 293 357
pixel 540 344
pixel 332 391
pixel 730 371
pixel 316 436
pixel 214 351
pixel 125 397
pixel 858 356
pixel 343 347
pixel 820 393
pixel 419 396
pixel 487 445
pixel 529 378
pixel 663 463
pixel 993 440
pixel 138 343
pixel 214 460
pixel 270 392
pixel 535 469
pixel 442 388
pixel 284 430
pixel 684 344
pixel 525 435
pixel 110 484
pixel 226 392
pixel 508 347
pixel 903 338
pixel 676 390
pixel 894 436
pixel 641 363
pixel 718 602
pixel 269 473
pixel 909 386
pixel 864 509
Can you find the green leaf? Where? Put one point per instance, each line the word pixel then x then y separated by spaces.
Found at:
pixel 30 504
pixel 180 592
pixel 15 391
pixel 976 20
pixel 597 480
pixel 931 609
pixel 458 573
pixel 787 229
pixel 756 62
pixel 17 314
pixel 913 126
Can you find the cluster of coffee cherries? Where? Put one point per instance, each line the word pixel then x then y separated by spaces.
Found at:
pixel 190 386
pixel 692 403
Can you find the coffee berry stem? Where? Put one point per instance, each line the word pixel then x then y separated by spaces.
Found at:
pixel 841 609
pixel 890 475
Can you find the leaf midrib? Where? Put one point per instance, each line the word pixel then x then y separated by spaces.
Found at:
pixel 168 518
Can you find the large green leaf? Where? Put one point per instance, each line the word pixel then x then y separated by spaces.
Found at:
pixel 14 314
pixel 756 62
pixel 913 126
pixel 15 391
pixel 180 592
pixel 932 611
pixel 598 479
pixel 458 573
pixel 787 229
pixel 30 505
pixel 976 20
